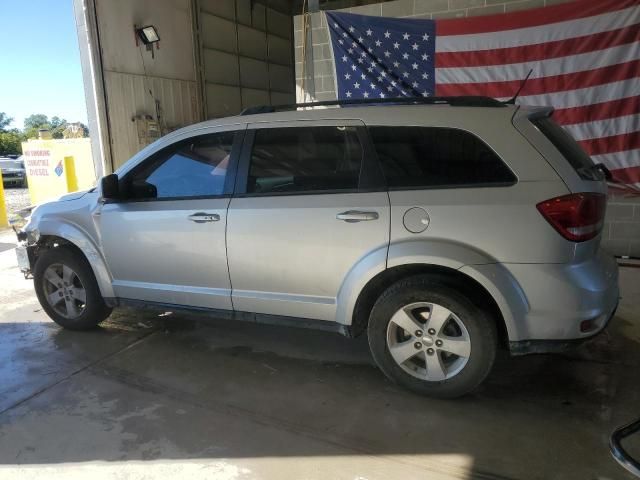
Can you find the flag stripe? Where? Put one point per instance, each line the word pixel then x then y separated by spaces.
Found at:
pixel 539 51
pixel 605 128
pixel 529 18
pixel 584 58
pixel 533 35
pixel 581 96
pixel 597 111
pixel 611 144
pixel 555 83
pixel 543 68
pixel 618 160
pixel 629 175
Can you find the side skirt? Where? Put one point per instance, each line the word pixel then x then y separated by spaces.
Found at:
pixel 214 313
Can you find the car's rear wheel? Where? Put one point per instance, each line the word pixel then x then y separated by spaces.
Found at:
pixel 67 289
pixel 429 337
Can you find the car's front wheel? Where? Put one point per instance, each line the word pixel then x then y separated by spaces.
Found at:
pixel 67 289
pixel 430 338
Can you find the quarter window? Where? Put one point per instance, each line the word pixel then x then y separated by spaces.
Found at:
pixel 193 168
pixel 304 159
pixel 437 157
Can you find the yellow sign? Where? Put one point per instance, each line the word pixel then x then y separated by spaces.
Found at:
pixel 56 167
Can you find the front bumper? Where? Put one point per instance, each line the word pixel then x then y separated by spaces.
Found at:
pixel 13 181
pixel 23 255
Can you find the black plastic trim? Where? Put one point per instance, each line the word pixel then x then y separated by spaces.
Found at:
pixel 262 318
pixel 461 101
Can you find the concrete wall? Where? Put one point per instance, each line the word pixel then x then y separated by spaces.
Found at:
pixel 622 227
pixel 315 82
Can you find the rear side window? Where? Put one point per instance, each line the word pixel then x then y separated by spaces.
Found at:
pixel 304 159
pixel 569 148
pixel 437 157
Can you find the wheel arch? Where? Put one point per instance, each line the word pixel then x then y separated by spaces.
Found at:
pixel 52 233
pixel 472 288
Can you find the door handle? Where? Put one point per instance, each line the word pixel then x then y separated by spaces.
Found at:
pixel 353 216
pixel 202 217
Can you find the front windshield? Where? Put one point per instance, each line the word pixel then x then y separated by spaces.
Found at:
pixel 11 164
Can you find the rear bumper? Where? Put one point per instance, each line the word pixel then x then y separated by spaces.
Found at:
pixel 562 296
pixel 545 305
pixel 527 347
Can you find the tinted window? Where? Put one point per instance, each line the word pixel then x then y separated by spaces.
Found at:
pixel 304 159
pixel 11 164
pixel 436 157
pixel 569 148
pixel 196 167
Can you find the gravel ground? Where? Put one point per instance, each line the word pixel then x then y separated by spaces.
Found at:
pixel 16 199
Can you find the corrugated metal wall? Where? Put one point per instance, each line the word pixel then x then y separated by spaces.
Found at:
pixel 129 96
pixel 247 55
pixel 215 57
pixel 160 83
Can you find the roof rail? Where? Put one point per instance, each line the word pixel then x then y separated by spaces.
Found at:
pixel 462 101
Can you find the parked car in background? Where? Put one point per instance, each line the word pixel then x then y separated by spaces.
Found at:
pixel 13 172
pixel 444 230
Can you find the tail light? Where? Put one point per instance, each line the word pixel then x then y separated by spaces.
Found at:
pixel 577 217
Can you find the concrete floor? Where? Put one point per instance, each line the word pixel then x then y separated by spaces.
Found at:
pixel 151 396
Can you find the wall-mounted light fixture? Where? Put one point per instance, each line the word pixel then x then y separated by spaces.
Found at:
pixel 148 35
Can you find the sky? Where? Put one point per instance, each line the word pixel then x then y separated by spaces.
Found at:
pixel 39 61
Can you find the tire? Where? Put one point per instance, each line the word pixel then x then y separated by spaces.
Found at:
pixel 71 308
pixel 430 367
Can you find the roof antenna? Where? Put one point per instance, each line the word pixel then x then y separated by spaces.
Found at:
pixel 512 100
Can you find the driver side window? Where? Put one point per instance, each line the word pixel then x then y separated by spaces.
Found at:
pixel 196 167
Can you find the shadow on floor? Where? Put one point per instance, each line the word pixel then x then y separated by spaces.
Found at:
pixel 145 387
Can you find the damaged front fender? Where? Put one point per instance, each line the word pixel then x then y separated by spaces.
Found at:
pixel 75 236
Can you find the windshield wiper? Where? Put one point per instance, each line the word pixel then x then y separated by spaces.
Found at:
pixel 605 171
pixel 595 169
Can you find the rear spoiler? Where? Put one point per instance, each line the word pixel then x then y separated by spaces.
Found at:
pixel 532 113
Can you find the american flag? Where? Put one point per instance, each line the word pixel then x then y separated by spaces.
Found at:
pixel 585 57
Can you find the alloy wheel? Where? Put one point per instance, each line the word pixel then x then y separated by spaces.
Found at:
pixel 64 291
pixel 428 341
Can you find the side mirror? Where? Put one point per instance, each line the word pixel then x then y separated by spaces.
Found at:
pixel 110 187
pixel 142 189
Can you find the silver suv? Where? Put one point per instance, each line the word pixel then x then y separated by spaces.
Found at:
pixel 444 230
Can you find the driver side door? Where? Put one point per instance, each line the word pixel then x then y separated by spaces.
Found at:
pixel 165 240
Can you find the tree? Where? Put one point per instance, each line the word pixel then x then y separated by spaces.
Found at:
pixel 11 142
pixel 57 122
pixel 5 120
pixel 56 125
pixel 36 121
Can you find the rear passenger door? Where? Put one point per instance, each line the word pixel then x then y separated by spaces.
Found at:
pixel 309 205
